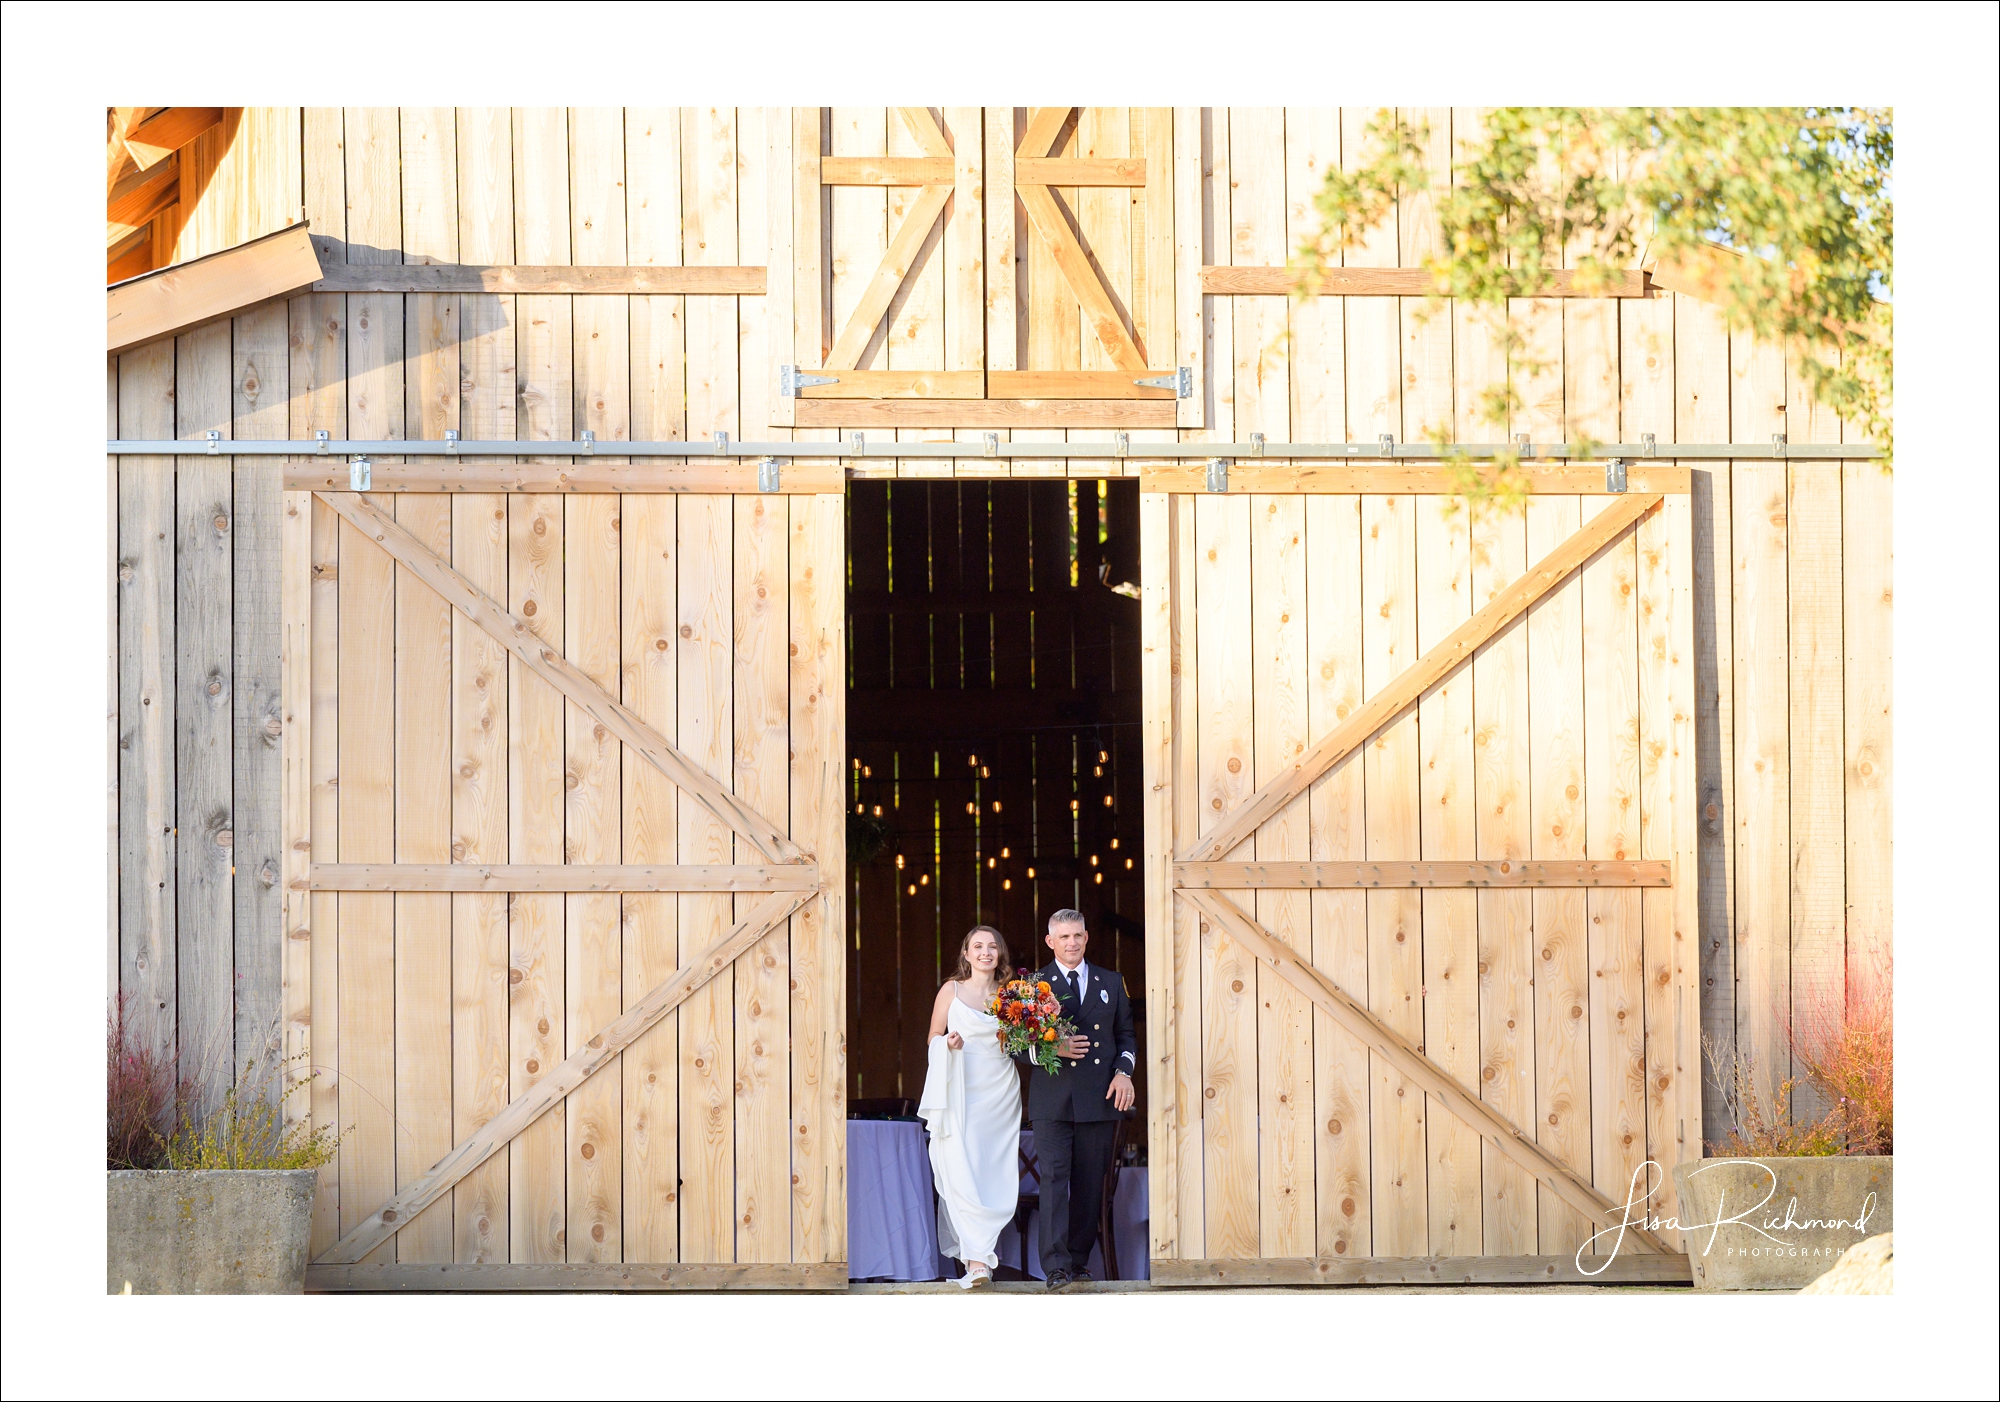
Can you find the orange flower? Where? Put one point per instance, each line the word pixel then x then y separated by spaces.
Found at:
pixel 1041 988
pixel 1050 1035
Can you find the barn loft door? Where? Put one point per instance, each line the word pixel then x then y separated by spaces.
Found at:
pixel 1419 873
pixel 560 830
pixel 968 255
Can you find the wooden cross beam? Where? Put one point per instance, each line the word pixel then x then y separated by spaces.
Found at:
pixel 1031 172
pixel 1551 1172
pixel 565 877
pixel 1333 876
pixel 547 1093
pixel 551 666
pixel 1420 676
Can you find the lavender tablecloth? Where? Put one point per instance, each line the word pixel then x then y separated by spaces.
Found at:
pixel 892 1211
pixel 891 1206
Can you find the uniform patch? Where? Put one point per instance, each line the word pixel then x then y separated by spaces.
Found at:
pixel 1105 994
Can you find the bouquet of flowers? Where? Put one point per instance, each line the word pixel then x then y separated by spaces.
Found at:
pixel 1030 1020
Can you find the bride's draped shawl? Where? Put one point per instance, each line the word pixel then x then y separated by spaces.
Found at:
pixel 943 1103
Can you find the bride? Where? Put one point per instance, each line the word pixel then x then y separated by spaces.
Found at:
pixel 972 1102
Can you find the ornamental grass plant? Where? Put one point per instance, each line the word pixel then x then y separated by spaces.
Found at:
pixel 146 1099
pixel 154 1117
pixel 248 1129
pixel 1844 1050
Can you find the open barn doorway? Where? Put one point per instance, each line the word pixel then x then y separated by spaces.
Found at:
pixel 993 722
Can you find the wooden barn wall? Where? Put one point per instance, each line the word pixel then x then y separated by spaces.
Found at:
pixel 1794 590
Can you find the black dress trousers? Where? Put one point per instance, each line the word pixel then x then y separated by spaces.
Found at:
pixel 1073 1157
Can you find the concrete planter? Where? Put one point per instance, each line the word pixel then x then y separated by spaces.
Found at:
pixel 209 1232
pixel 1778 1224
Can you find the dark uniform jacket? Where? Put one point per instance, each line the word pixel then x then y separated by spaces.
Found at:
pixel 1077 1092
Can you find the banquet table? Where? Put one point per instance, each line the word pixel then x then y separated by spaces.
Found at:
pixel 892 1211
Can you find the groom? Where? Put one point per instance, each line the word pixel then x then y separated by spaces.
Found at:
pixel 1075 1111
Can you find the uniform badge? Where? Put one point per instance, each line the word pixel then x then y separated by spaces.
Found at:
pixel 1105 994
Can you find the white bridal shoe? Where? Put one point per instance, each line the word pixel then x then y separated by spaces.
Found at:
pixel 975 1276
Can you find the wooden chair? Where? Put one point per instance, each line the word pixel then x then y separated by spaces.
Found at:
pixel 1107 1236
pixel 1027 1204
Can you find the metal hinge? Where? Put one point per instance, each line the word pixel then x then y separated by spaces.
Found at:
pixel 767 474
pixel 1124 442
pixel 1388 441
pixel 451 441
pixel 588 437
pixel 1652 444
pixel 992 445
pixel 721 443
pixel 1218 474
pixel 1614 475
pixel 214 436
pixel 1181 382
pixel 791 380
pixel 324 439
pixel 1778 444
pixel 360 474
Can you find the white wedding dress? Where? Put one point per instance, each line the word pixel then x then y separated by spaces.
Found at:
pixel 972 1103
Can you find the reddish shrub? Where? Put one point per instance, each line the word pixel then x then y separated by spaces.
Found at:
pixel 1844 1048
pixel 1847 1049
pixel 146 1101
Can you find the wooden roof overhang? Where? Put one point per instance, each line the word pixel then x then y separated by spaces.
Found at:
pixel 187 295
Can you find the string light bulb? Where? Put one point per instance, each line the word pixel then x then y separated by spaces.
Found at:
pixel 1128 864
pixel 899 861
pixel 924 880
pixel 1107 800
pixel 1114 844
pixel 985 772
pixel 972 808
pixel 1097 771
pixel 861 810
pixel 878 810
pixel 1103 756
pixel 996 805
pixel 1007 884
pixel 1093 859
pixel 866 772
pixel 913 890
pixel 1098 879
pixel 1031 873
pixel 989 864
pixel 1004 854
pixel 1072 805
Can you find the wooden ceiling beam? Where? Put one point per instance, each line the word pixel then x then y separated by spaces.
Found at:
pixel 166 131
pixel 131 256
pixel 117 159
pixel 138 197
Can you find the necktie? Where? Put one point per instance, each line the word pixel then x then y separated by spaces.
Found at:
pixel 1070 978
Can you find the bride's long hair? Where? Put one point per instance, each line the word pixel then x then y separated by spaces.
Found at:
pixel 1002 971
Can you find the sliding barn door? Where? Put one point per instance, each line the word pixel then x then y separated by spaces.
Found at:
pixel 967 267
pixel 1420 866
pixel 566 837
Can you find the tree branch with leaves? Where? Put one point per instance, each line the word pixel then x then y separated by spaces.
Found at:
pixel 1781 216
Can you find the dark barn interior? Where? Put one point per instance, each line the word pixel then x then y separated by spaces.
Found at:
pixel 993 739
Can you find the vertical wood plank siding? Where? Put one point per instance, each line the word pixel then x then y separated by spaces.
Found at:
pixel 730 626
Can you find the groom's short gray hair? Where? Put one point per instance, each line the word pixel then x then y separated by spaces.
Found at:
pixel 1067 917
